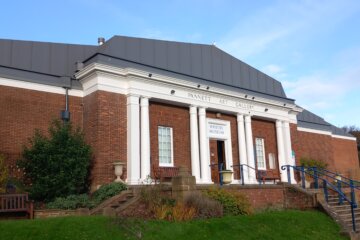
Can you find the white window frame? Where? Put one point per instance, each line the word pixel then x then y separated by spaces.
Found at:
pixel 263 150
pixel 171 164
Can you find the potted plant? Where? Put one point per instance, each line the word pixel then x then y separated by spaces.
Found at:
pixel 227 176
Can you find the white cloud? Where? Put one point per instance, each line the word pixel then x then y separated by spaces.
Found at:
pixel 285 23
pixel 275 71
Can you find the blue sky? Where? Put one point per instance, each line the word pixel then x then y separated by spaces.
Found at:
pixel 312 47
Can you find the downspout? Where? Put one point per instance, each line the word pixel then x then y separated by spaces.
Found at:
pixel 65 114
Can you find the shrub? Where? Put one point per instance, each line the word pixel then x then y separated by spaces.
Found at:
pixel 310 162
pixel 205 207
pixel 69 202
pixel 163 212
pixel 57 165
pixel 83 200
pixel 3 174
pixel 154 196
pixel 181 212
pixel 233 203
pixel 107 191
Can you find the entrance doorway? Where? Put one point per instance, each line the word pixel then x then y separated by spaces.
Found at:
pixel 217 159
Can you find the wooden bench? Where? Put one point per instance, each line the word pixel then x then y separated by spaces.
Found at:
pixel 164 173
pixel 12 203
pixel 265 175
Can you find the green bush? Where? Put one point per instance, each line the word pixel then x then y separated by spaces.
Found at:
pixel 310 162
pixel 56 164
pixel 3 174
pixel 234 203
pixel 107 191
pixel 84 201
pixel 70 202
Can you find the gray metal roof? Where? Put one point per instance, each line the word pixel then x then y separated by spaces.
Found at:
pixel 308 119
pixel 48 63
pixel 41 62
pixel 204 62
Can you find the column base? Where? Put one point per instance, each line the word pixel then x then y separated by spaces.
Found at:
pixel 133 182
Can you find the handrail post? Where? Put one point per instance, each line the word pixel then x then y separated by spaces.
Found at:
pixel 316 179
pixel 353 217
pixel 353 204
pixel 353 193
pixel 288 173
pixel 325 191
pixel 242 174
pixel 303 177
pixel 340 196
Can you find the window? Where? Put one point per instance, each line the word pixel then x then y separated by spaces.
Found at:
pixel 165 146
pixel 260 153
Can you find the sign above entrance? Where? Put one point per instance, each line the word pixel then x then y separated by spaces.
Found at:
pixel 216 130
pixel 219 100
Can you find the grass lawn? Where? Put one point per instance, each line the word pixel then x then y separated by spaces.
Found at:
pixel 267 225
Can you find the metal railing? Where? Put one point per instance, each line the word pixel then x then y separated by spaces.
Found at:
pixel 325 175
pixel 259 173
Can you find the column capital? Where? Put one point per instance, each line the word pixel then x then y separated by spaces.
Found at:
pixel 240 117
pixel 144 101
pixel 279 123
pixel 193 109
pixel 247 118
pixel 132 99
pixel 202 111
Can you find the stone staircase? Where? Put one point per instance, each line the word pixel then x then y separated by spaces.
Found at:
pixel 342 213
pixel 116 204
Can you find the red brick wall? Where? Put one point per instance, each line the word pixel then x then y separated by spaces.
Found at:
pixel 266 130
pixel 345 155
pixel 234 138
pixel 339 154
pixel 312 145
pixel 179 119
pixel 22 111
pixel 105 128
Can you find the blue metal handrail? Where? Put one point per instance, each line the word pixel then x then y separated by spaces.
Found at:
pixel 325 171
pixel 313 172
pixel 257 171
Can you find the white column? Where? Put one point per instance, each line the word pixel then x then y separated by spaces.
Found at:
pixel 288 149
pixel 145 138
pixel 194 139
pixel 242 146
pixel 250 149
pixel 133 140
pixel 204 148
pixel 281 149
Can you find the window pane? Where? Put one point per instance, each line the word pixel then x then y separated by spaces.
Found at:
pixel 165 138
pixel 260 159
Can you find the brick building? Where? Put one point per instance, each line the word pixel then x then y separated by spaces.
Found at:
pixel 153 103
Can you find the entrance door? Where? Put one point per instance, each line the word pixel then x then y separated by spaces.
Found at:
pixel 217 158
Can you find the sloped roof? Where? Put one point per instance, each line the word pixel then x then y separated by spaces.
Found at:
pixel 201 61
pixel 308 119
pixel 41 62
pixel 48 63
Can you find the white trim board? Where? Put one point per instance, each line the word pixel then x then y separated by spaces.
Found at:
pixel 310 130
pixel 39 87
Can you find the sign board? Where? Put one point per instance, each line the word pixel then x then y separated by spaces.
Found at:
pixel 216 130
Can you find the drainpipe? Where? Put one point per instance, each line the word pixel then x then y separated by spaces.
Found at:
pixel 65 114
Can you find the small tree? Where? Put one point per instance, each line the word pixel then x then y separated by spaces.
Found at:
pixel 3 174
pixel 56 165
